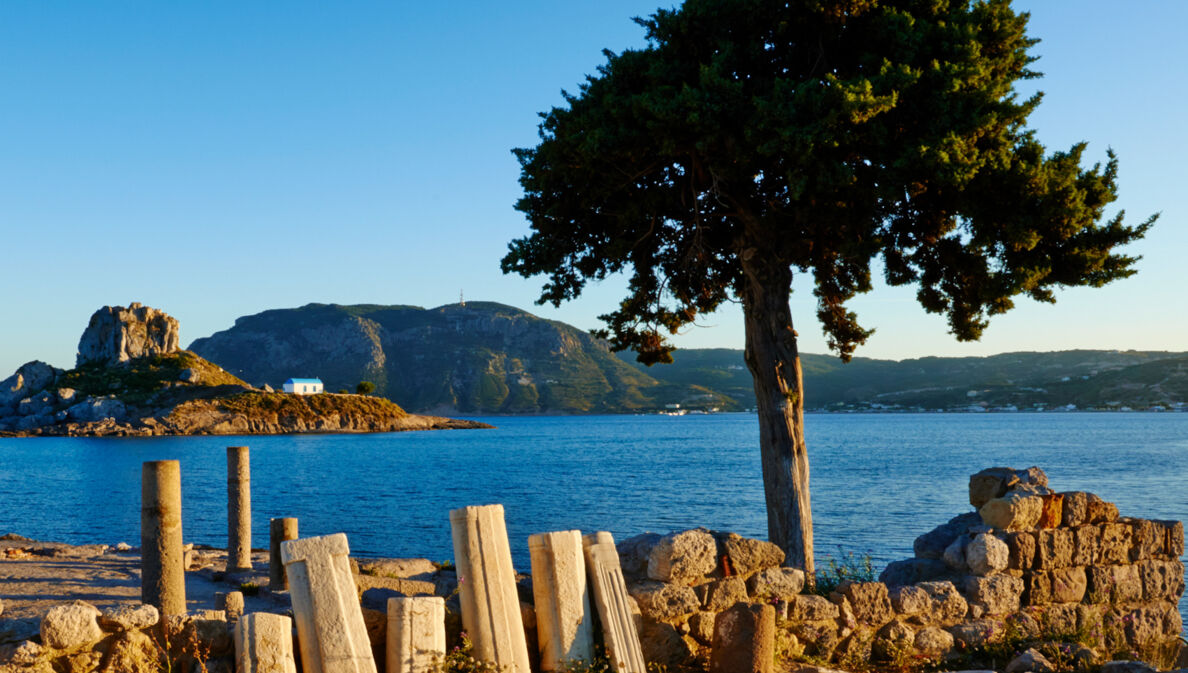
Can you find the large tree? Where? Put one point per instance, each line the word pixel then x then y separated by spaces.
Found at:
pixel 751 139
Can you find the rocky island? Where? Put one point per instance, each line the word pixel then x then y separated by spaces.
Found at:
pixel 132 379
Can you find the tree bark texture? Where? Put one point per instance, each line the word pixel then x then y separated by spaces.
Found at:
pixel 774 361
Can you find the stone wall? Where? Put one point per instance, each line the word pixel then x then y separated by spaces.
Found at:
pixel 1030 565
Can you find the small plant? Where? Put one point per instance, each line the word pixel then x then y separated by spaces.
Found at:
pixel 850 568
pixel 250 589
pixel 461 660
pixel 445 565
pixel 365 388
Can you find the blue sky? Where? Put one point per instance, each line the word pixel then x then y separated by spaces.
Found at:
pixel 219 159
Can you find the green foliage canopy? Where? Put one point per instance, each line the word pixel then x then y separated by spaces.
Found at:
pixel 818 135
pixel 365 388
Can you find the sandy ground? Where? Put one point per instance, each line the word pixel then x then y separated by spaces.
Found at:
pixel 35 576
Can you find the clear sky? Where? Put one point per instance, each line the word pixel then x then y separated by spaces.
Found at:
pixel 218 159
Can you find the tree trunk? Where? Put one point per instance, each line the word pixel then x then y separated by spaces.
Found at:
pixel 774 362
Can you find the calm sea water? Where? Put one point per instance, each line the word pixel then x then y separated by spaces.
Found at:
pixel 878 480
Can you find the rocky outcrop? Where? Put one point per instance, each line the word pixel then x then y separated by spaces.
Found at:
pixel 117 334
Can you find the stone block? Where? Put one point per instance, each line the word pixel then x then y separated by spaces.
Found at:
pixel 416 634
pixel 908 601
pixel 1075 509
pixel 1061 618
pixel 1053 509
pixel 330 626
pixel 685 557
pixel 931 545
pixel 1086 545
pixel 998 594
pixel 70 626
pixel 664 602
pixel 264 644
pixel 701 627
pixel 128 617
pixel 744 640
pixel 870 602
pixel 1127 585
pixel 717 595
pixel 948 605
pixel 1173 538
pixel 663 645
pixel 1021 550
pixel 563 616
pixel 776 583
pixel 609 591
pixel 1014 511
pixel 1068 585
pixel 1054 548
pixel 1115 543
pixel 1037 588
pixel 1030 661
pixel 1099 585
pixel 893 640
pixel 748 555
pixel 420 569
pixel 634 553
pixel 994 482
pixel 954 556
pixel 1100 511
pixel 811 608
pixel 1162 580
pixel 820 638
pixel 488 597
pixel 1147 539
pixel 977 633
pixel 933 642
pixel 913 571
pixel 986 554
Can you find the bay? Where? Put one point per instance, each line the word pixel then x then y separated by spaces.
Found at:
pixel 878 480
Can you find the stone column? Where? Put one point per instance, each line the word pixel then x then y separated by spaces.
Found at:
pixel 562 602
pixel 231 603
pixel 279 530
pixel 330 626
pixel 264 644
pixel 490 603
pixel 239 509
pixel 162 575
pixel 744 640
pixel 416 633
pixel 609 590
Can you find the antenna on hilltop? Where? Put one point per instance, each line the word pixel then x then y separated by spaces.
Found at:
pixel 461 299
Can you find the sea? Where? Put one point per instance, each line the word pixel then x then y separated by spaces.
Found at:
pixel 877 480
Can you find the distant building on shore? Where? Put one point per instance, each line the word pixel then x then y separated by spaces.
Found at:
pixel 303 386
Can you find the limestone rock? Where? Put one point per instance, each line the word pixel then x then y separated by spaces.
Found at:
pixel 664 602
pixel 869 601
pixel 721 594
pixel 662 644
pixel 998 594
pixel 779 583
pixel 948 606
pixel 1013 511
pixel 1030 661
pixel 977 633
pixel 682 557
pixel 934 642
pixel 933 543
pixel 812 608
pixel 1127 667
pixel 701 627
pixel 955 554
pixel 29 379
pixel 134 652
pixel 892 640
pixel 986 554
pixel 748 555
pixel 402 568
pixel 116 334
pixel 73 625
pixel 995 482
pixel 910 600
pixel 912 571
pixel 128 617
pixel 634 553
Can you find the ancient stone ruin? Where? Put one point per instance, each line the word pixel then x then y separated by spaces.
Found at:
pixel 116 334
pixel 1033 580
